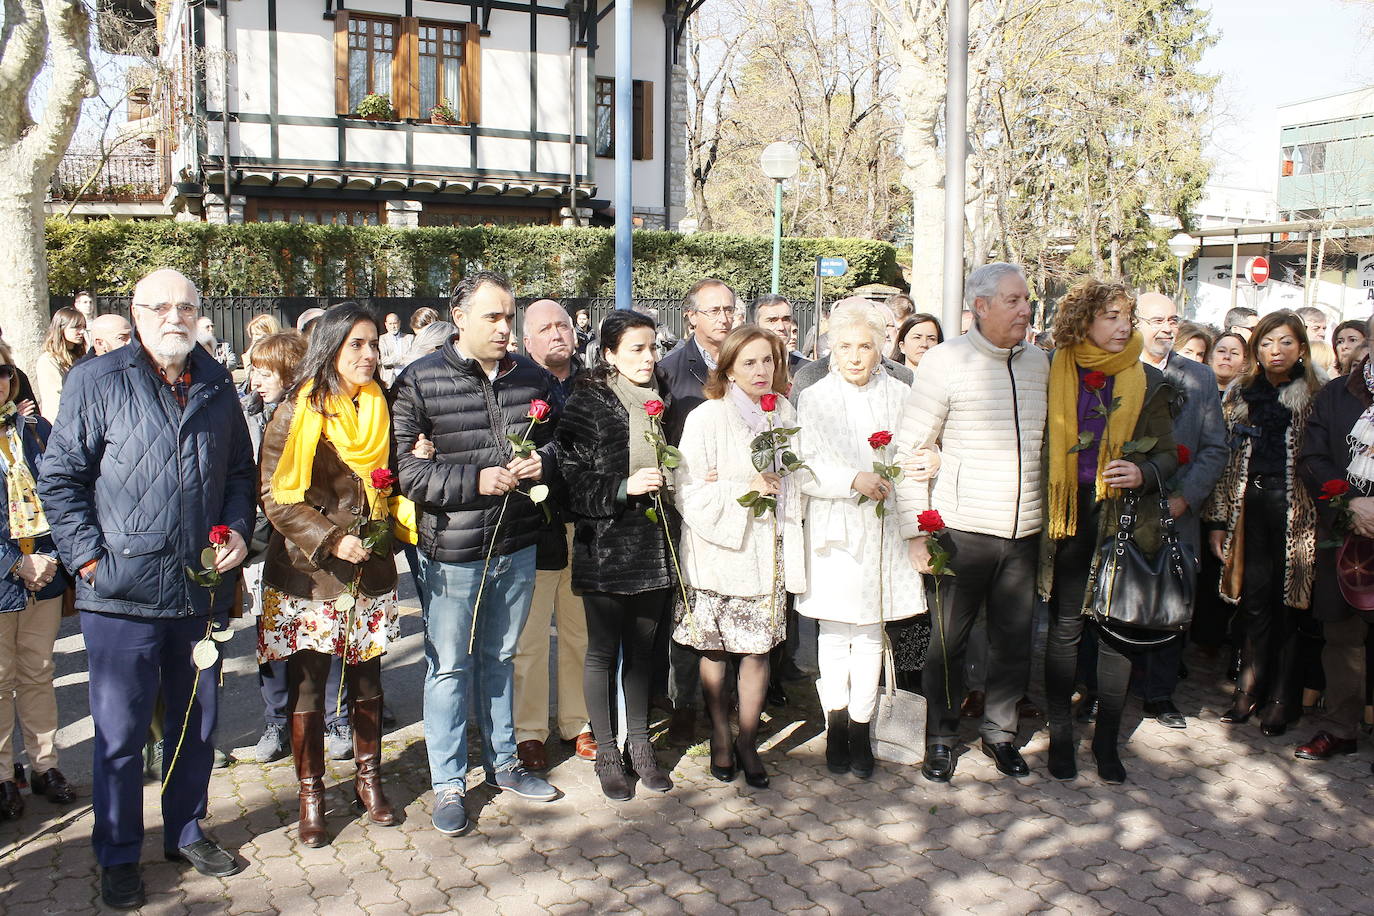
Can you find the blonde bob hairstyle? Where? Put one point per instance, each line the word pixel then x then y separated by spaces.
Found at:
pixel 1081 305
pixel 850 314
pixel 738 339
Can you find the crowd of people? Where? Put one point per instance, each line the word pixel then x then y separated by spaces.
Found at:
pixel 920 497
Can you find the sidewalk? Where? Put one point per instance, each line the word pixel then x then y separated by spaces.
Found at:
pixel 1212 817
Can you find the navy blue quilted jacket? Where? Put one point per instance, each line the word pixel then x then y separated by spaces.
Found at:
pixel 136 482
pixel 13 595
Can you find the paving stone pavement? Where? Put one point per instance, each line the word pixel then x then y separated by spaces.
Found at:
pixel 1213 819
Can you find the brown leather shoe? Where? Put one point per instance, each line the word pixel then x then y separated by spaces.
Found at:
pixel 532 755
pixel 1324 746
pixel 307 746
pixel 584 746
pixel 366 720
pixel 1025 709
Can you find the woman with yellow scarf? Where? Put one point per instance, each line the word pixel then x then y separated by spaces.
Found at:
pixel 1101 397
pixel 329 580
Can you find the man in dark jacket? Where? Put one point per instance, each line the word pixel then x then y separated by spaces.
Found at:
pixel 1200 430
pixel 150 452
pixel 475 502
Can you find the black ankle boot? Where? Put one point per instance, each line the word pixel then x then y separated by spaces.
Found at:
pixel 837 741
pixel 610 770
pixel 1062 765
pixel 860 750
pixel 1108 756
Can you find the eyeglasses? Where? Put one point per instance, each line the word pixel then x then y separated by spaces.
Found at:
pixel 165 308
pixel 716 314
pixel 1161 322
pixel 6 372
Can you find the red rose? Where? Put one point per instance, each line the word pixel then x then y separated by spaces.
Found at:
pixel 1185 454
pixel 653 408
pixel 930 521
pixel 219 535
pixel 1334 488
pixel 383 479
pixel 1095 380
pixel 769 403
pixel 539 410
pixel 881 439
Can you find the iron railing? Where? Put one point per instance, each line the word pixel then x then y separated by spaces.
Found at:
pixel 121 178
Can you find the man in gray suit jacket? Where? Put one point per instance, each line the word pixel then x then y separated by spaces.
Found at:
pixel 1198 428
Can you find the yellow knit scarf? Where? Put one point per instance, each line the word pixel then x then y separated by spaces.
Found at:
pixel 1129 387
pixel 360 433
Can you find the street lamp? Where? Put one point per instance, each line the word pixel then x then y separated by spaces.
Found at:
pixel 1182 247
pixel 778 162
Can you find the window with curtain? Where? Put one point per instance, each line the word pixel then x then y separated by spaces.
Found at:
pixel 371 53
pixel 441 63
pixel 605 116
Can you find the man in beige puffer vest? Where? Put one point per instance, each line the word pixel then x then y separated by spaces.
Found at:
pixel 981 399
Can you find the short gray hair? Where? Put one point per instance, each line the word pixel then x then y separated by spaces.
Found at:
pixel 850 313
pixel 983 282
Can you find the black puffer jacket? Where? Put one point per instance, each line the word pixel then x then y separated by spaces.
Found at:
pixel 449 399
pixel 616 548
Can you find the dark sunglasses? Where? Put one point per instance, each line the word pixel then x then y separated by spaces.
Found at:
pixel 7 372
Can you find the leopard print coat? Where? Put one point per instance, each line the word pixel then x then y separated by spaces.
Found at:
pixel 1224 509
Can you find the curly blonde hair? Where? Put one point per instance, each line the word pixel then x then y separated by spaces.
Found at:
pixel 1081 305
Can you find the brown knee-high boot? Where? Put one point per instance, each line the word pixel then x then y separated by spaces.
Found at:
pixel 367 754
pixel 307 745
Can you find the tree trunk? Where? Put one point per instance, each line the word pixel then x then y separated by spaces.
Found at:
pixel 23 263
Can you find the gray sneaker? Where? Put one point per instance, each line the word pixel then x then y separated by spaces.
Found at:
pixel 338 742
pixel 450 813
pixel 522 782
pixel 272 745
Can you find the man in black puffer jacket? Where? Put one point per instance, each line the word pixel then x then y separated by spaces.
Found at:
pixel 468 399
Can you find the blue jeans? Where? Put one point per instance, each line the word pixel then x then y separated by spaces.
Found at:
pixel 452 674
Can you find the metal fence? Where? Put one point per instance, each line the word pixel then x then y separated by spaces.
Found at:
pixel 120 178
pixel 231 314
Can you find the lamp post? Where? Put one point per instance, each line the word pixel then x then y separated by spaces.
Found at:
pixel 778 162
pixel 1182 247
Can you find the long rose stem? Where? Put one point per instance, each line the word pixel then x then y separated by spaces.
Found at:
pixel 672 552
pixel 495 532
pixel 186 721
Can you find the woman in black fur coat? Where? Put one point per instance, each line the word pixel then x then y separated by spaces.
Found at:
pixel 620 558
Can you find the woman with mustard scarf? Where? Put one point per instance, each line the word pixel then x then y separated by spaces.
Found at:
pixel 1101 397
pixel 325 489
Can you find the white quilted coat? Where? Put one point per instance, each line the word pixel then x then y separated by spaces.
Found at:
pixel 984 408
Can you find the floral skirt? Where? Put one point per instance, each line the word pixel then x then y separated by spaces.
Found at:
pixel 742 625
pixel 290 624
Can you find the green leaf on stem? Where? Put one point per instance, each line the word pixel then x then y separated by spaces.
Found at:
pixel 1139 446
pixel 207 558
pixel 787 433
pixel 788 459
pixel 748 499
pixel 862 499
pixel 880 509
pixel 762 460
pixel 1085 440
pixel 204 654
pixel 671 457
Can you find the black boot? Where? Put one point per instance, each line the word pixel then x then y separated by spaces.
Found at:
pixel 640 759
pixel 610 769
pixel 1105 750
pixel 860 750
pixel 837 741
pixel 1062 765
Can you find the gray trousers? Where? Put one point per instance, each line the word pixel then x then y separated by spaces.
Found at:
pixel 1000 572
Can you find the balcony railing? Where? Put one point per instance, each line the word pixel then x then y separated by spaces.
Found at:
pixel 122 178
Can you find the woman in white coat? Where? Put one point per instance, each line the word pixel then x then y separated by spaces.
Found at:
pixel 737 567
pixel 858 574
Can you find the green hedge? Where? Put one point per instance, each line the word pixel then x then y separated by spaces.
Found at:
pixel 283 259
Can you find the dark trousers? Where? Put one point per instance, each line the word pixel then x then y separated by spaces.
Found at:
pixel 1112 669
pixel 308 682
pixel 130 659
pixel 272 685
pixel 1275 663
pixel 621 627
pixel 1346 669
pixel 1001 573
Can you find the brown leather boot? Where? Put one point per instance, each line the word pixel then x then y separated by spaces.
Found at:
pixel 307 746
pixel 366 719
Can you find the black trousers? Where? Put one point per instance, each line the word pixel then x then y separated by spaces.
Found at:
pixel 1072 563
pixel 1001 573
pixel 621 626
pixel 1281 651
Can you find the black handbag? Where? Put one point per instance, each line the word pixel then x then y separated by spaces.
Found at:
pixel 1139 599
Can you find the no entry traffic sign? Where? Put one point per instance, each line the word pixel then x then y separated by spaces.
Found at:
pixel 1258 271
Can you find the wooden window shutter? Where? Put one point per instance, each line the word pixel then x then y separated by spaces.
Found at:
pixel 643 122
pixel 470 86
pixel 405 81
pixel 341 106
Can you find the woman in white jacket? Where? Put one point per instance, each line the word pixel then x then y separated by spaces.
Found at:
pixel 737 566
pixel 858 573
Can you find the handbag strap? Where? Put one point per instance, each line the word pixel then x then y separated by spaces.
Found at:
pixel 1168 529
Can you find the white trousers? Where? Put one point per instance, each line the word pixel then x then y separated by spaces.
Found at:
pixel 851 661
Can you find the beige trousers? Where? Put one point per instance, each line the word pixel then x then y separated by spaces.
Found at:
pixel 26 672
pixel 554 601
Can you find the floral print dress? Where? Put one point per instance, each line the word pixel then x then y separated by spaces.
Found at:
pixel 290 624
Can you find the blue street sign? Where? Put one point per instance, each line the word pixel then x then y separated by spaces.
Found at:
pixel 831 267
